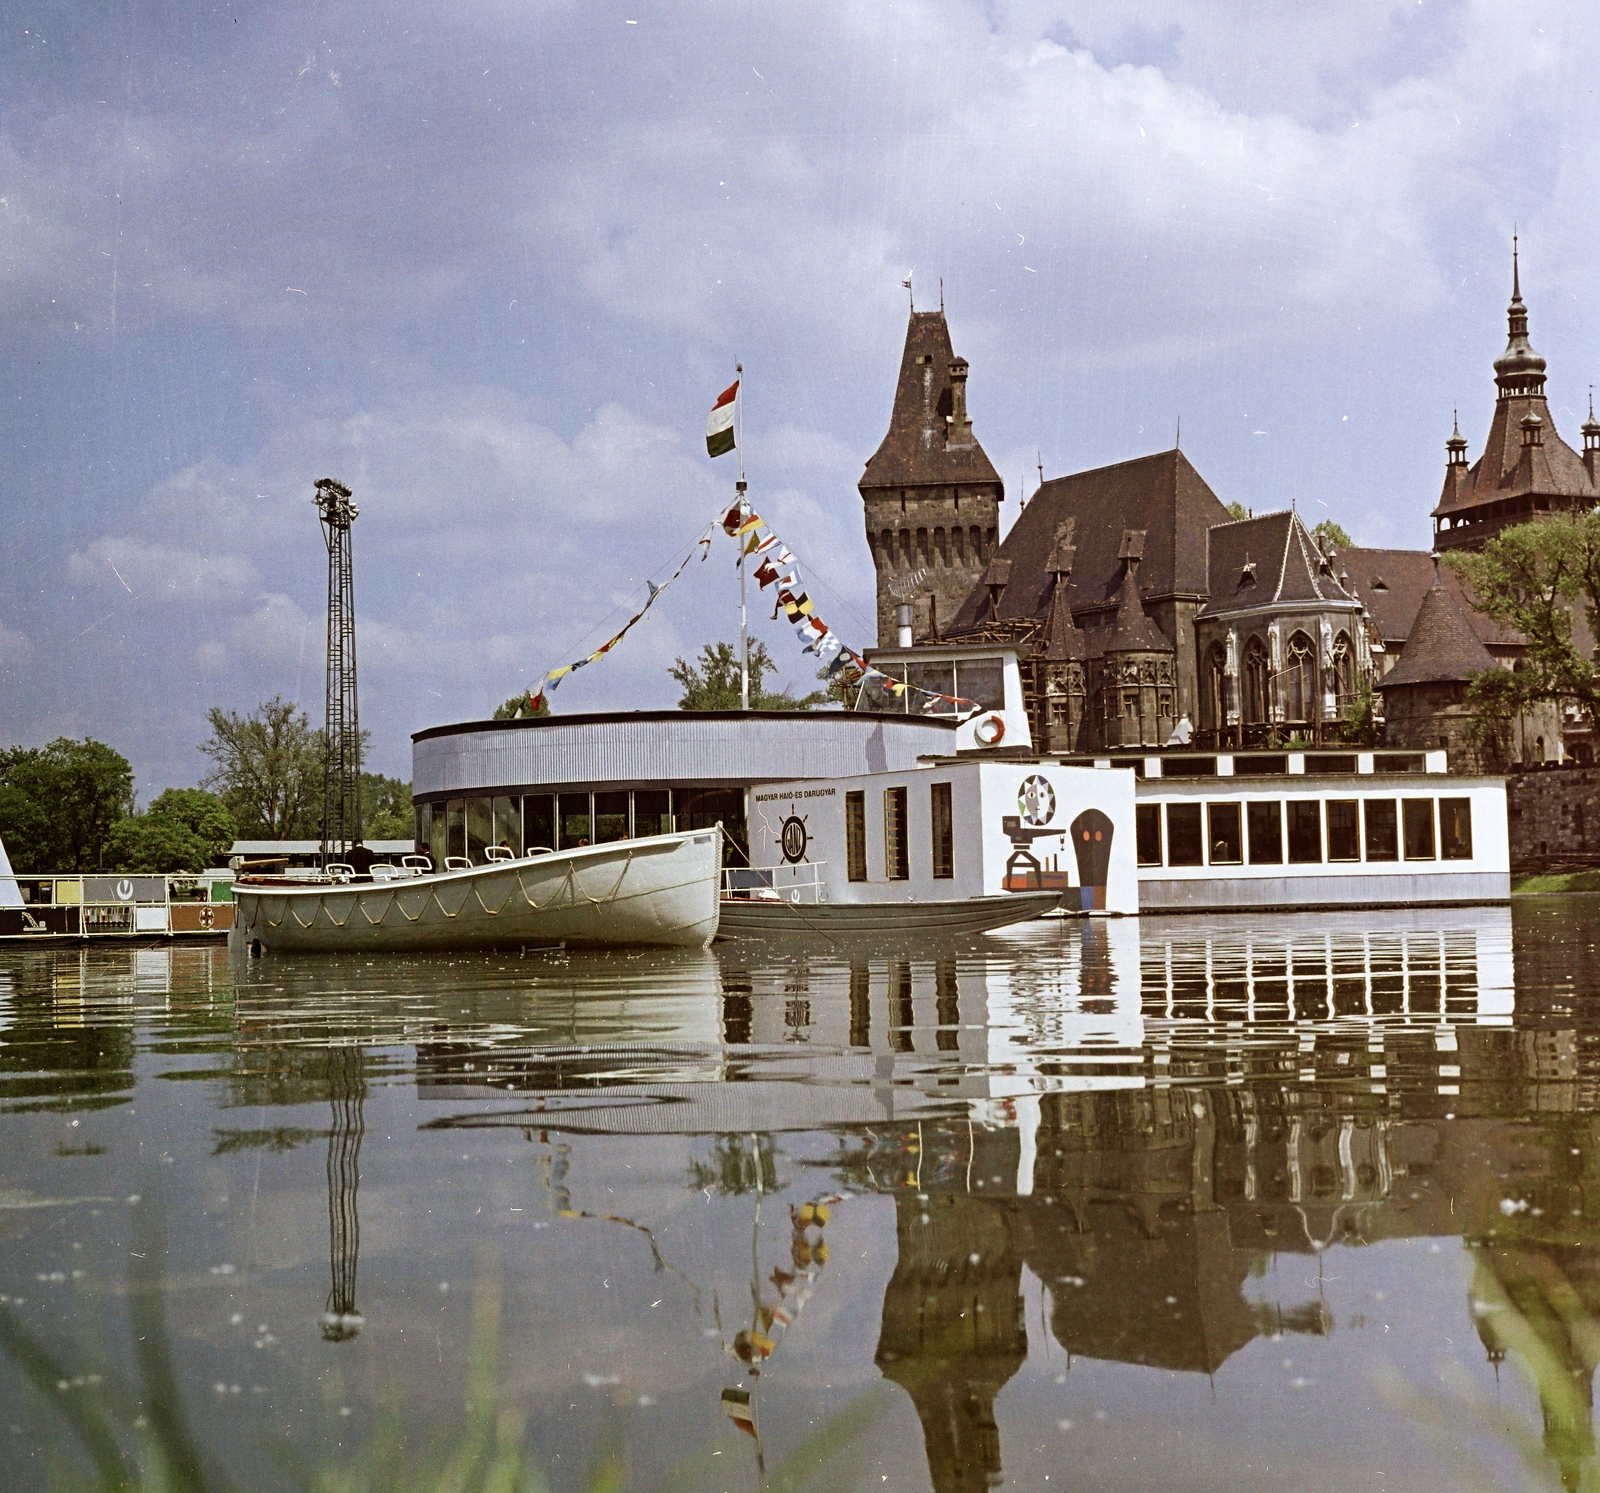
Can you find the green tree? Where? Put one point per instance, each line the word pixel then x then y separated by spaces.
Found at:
pixel 1238 512
pixel 519 703
pixel 1529 578
pixel 386 812
pixel 59 803
pixel 1330 536
pixel 714 684
pixel 267 768
pixel 184 829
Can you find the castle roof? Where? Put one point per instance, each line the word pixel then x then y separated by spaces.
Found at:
pixel 1391 584
pixel 1134 632
pixel 1442 647
pixel 1269 559
pixel 915 451
pixel 1522 456
pixel 1162 495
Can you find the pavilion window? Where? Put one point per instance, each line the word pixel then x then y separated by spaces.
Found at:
pixel 610 816
pixel 1417 818
pixel 855 836
pixel 480 828
pixel 896 860
pixel 944 834
pixel 1147 833
pixel 1455 828
pixel 1305 831
pixel 508 824
pixel 575 828
pixel 539 822
pixel 1344 830
pixel 1383 829
pixel 1227 839
pixel 1185 840
pixel 652 811
pixel 1265 822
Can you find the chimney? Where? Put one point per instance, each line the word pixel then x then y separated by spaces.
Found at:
pixel 959 429
pixel 902 624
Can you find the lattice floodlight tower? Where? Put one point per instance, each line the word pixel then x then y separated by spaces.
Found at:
pixel 341 761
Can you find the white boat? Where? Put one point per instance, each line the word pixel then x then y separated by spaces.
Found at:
pixel 659 890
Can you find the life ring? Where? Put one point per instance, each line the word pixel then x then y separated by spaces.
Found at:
pixel 988 732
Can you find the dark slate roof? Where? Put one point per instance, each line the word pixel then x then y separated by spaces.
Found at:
pixel 1442 646
pixel 1134 632
pixel 914 450
pixel 1271 558
pixel 1161 494
pixel 1406 576
pixel 1507 468
pixel 1061 637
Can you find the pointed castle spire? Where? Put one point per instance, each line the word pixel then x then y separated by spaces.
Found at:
pixel 1518 370
pixel 1134 632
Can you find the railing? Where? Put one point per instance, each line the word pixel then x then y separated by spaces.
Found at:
pixel 118 905
pixel 803 883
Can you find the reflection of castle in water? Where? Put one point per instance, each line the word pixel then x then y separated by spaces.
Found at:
pixel 1142 1120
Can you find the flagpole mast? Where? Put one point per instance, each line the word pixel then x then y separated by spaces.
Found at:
pixel 742 486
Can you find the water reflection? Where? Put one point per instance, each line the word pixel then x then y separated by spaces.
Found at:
pixel 347 1092
pixel 1076 1149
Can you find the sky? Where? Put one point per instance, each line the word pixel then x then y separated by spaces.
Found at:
pixel 490 263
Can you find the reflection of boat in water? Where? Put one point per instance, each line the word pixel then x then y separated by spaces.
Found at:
pixel 661 890
pixel 763 912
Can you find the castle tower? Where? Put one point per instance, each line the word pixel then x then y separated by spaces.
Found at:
pixel 1526 469
pixel 931 496
pixel 1058 657
pixel 1133 682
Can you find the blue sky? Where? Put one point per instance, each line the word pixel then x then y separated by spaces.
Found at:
pixel 490 263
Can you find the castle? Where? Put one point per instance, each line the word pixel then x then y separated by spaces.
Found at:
pixel 1147 614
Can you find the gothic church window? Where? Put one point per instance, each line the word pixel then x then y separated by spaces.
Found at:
pixel 1256 675
pixel 1214 697
pixel 1300 682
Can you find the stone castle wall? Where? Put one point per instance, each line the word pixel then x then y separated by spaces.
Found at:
pixel 1555 817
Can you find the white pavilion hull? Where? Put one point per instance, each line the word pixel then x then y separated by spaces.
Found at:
pixel 658 891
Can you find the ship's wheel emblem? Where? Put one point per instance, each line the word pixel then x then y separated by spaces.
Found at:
pixel 793 838
pixel 1036 801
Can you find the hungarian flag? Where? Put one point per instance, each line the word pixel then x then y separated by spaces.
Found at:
pixel 719 425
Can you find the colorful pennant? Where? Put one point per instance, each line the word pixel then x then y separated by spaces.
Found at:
pixel 779 568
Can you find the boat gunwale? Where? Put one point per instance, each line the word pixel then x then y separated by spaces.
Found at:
pixel 647 844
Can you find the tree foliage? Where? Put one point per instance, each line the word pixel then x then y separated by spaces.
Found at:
pixel 386 812
pixel 1238 512
pixel 714 683
pixel 267 768
pixel 519 704
pixel 1531 578
pixel 184 829
pixel 59 803
pixel 1331 536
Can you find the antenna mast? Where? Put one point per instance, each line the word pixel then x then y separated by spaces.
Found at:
pixel 341 742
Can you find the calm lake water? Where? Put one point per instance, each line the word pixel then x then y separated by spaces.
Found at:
pixel 1299 1202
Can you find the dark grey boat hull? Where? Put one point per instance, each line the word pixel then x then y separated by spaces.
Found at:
pixel 756 918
